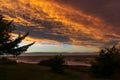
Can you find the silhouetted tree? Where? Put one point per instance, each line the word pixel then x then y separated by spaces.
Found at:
pixel 107 63
pixel 8 45
pixel 57 64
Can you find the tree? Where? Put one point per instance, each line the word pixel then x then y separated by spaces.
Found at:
pixel 8 45
pixel 56 63
pixel 107 63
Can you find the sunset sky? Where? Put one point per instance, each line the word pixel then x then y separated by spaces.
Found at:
pixel 65 25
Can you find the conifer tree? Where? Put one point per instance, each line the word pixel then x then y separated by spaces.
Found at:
pixel 8 45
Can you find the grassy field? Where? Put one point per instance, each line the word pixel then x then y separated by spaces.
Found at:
pixel 36 72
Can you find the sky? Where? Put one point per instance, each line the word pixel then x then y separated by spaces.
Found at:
pixel 65 25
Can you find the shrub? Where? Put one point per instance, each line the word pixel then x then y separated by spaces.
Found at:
pixel 5 60
pixel 107 63
pixel 56 64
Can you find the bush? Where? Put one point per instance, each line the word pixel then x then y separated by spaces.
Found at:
pixel 5 60
pixel 107 63
pixel 56 64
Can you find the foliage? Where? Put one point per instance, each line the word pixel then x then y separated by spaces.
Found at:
pixel 6 29
pixel 56 64
pixel 8 45
pixel 5 60
pixel 36 72
pixel 107 63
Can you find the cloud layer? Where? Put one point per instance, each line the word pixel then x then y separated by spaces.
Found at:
pixel 78 22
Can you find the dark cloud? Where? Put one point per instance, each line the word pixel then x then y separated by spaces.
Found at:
pixel 112 42
pixel 111 36
pixel 44 33
pixel 107 9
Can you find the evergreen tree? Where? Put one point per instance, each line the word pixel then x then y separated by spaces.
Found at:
pixel 107 63
pixel 8 45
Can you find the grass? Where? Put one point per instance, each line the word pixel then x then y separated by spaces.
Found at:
pixel 36 72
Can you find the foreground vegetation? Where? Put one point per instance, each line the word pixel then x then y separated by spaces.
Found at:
pixel 107 63
pixel 36 72
pixel 56 64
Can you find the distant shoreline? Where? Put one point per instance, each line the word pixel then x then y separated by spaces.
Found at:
pixel 54 54
pixel 59 53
